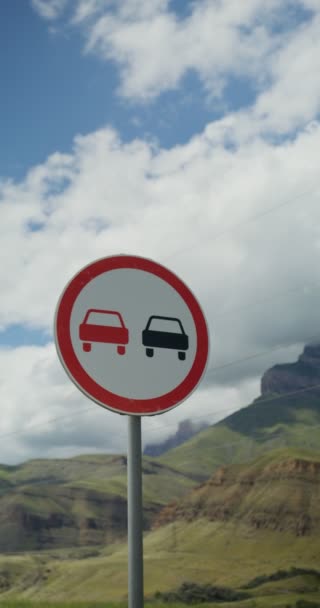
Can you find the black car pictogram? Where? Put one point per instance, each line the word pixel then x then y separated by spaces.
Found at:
pixel 165 332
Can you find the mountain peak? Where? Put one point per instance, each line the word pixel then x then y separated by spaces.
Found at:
pixel 289 377
pixel 186 429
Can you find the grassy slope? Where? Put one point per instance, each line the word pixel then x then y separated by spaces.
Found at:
pixel 77 501
pixel 286 600
pixel 221 444
pixel 207 450
pixel 227 553
pixel 202 551
pixel 101 473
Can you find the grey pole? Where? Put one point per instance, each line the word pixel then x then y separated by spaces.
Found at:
pixel 135 544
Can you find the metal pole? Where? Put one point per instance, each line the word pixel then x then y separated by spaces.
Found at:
pixel 135 543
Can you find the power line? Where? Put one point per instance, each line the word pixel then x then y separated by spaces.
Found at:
pixel 244 222
pixel 237 411
pixel 216 412
pixel 218 235
pixel 257 355
pixel 280 293
pixel 215 368
pixel 266 400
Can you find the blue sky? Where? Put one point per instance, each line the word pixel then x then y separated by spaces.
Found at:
pixel 53 91
pixel 157 128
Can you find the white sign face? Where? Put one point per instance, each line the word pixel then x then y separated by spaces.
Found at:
pixel 129 334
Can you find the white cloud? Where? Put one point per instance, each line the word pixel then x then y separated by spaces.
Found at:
pixel 189 207
pixel 127 10
pixel 294 97
pixel 49 9
pixel 155 202
pixel 262 44
pixel 201 208
pixel 44 415
pixel 154 51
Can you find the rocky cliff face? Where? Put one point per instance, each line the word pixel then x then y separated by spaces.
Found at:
pixel 283 495
pixel 77 502
pixel 45 518
pixel 296 376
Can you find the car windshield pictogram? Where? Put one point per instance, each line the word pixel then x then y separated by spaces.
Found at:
pixel 165 332
pixel 106 326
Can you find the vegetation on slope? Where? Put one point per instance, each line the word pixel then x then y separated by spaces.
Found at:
pixel 77 502
pixel 201 543
pixel 226 443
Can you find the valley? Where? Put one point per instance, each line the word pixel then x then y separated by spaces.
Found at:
pixel 237 502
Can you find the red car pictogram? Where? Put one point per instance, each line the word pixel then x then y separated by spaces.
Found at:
pixel 105 326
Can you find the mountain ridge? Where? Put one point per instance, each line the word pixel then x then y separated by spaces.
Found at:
pixel 279 491
pixel 300 375
pixel 274 419
pixel 186 429
pixel 77 502
pixel 81 501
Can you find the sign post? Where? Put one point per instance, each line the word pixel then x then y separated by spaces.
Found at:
pixel 135 514
pixel 133 338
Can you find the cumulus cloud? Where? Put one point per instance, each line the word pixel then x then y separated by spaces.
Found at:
pixel 294 96
pixel 234 211
pixel 240 225
pixel 269 46
pixel 44 415
pixel 155 50
pixel 171 204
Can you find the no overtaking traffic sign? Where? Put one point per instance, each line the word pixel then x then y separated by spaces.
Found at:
pixel 131 335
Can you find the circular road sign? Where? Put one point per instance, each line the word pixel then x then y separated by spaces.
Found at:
pixel 131 335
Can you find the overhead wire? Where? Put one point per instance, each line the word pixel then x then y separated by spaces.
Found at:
pixel 259 400
pixel 281 293
pixel 206 415
pixel 258 355
pixel 244 222
pixel 229 364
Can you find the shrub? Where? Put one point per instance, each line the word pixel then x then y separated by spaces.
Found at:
pixel 194 593
pixel 281 575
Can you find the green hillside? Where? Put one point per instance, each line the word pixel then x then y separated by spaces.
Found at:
pixel 266 424
pixel 77 502
pixel 202 551
pixel 221 444
pixel 286 414
pixel 224 533
pixel 236 506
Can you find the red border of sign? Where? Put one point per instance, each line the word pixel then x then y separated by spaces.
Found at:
pixel 81 378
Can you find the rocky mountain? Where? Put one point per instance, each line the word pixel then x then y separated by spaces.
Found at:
pixel 186 430
pixel 250 527
pixel 78 502
pixel 287 413
pixel 289 392
pixel 278 492
pixel 289 377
